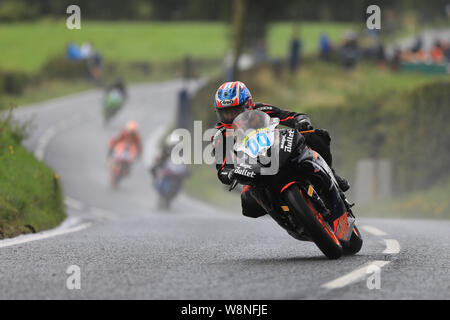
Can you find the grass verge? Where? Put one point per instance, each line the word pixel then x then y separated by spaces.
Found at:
pixel 44 91
pixel 30 193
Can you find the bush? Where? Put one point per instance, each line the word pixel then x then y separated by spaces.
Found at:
pixel 61 67
pixel 411 129
pixel 13 82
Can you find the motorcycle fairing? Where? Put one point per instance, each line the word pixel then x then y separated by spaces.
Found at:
pixel 124 152
pixel 288 142
pixel 343 227
pixel 314 166
pixel 273 207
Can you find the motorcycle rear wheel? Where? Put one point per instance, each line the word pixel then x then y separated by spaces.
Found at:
pixel 304 213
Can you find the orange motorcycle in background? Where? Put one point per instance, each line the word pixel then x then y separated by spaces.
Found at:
pixel 122 157
pixel 123 150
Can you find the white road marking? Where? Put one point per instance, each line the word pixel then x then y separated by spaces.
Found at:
pixel 374 231
pixel 392 246
pixel 43 235
pixel 43 141
pixel 72 203
pixel 354 276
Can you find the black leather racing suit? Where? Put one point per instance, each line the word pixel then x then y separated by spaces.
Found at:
pixel 318 141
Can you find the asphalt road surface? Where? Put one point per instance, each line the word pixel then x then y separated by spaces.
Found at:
pixel 127 249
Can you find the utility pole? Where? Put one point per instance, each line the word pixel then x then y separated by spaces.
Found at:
pixel 238 34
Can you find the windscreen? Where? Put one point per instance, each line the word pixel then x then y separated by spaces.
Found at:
pixel 254 132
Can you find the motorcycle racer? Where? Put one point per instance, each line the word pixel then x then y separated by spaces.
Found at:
pixel 164 154
pixel 130 137
pixel 233 98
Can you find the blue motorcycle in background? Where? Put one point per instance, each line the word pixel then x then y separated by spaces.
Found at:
pixel 168 182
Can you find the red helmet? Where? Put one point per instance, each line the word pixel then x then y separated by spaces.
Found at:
pixel 132 126
pixel 231 99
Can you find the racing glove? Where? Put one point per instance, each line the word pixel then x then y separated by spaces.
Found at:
pixel 226 175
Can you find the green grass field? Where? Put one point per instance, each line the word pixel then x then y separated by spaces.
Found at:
pixel 27 46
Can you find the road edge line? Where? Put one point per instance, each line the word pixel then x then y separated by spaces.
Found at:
pixel 43 235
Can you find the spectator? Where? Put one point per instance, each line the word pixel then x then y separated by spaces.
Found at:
pixel 260 50
pixel 95 66
pixel 349 51
pixel 437 53
pixel 396 60
pixel 324 47
pixel 446 49
pixel 86 50
pixel 73 51
pixel 380 55
pixel 417 45
pixel 295 54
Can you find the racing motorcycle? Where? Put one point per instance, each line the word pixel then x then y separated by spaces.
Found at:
pixel 168 182
pixel 122 157
pixel 112 103
pixel 293 184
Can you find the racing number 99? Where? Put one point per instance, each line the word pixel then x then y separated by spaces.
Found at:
pixel 260 140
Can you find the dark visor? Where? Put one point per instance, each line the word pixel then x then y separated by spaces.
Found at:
pixel 227 115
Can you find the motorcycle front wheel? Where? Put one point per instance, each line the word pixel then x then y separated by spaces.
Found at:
pixel 304 214
pixel 116 174
pixel 163 203
pixel 354 245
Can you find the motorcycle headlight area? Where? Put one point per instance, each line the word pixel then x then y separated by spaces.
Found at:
pixel 256 142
